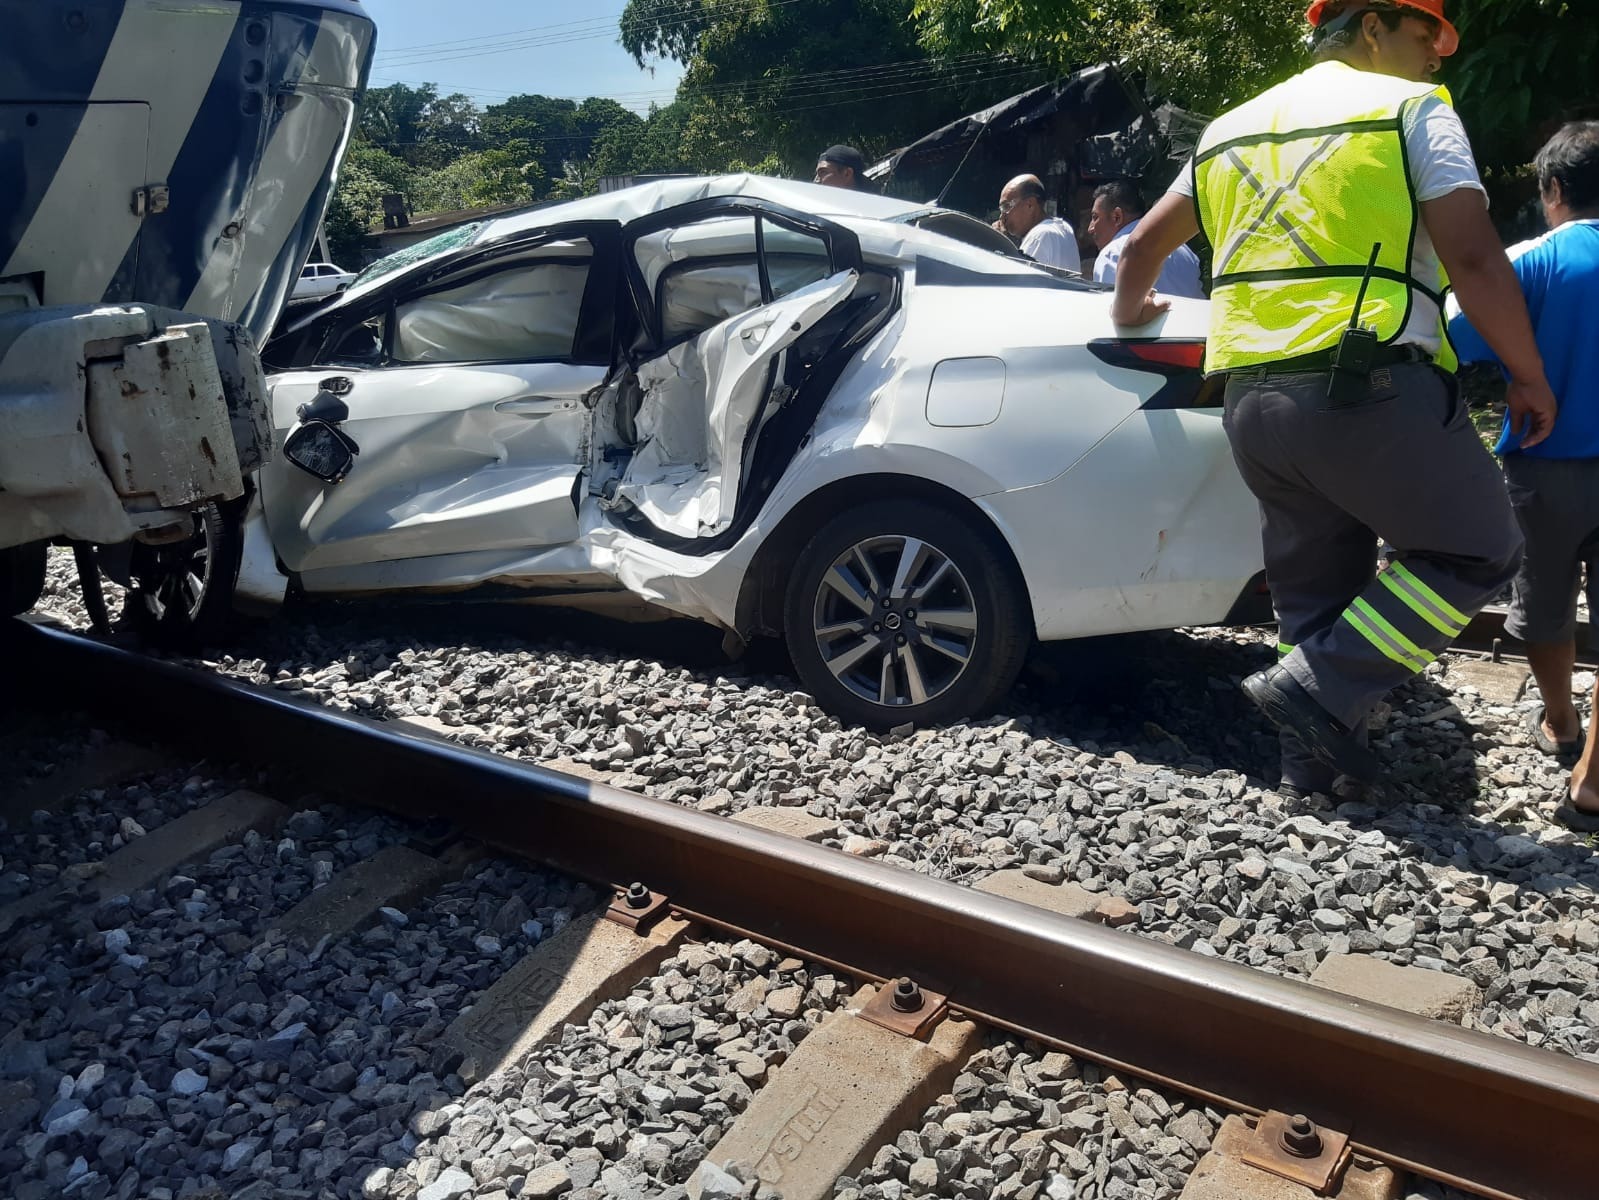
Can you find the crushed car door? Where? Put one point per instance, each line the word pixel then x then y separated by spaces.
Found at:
pixel 699 409
pixel 726 291
pixel 465 396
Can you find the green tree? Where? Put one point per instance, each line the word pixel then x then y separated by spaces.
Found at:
pixel 450 127
pixel 507 175
pixel 392 116
pixel 562 130
pixel 1206 56
pixel 774 81
pixel 546 120
pixel 367 175
pixel 1523 65
pixel 417 124
pixel 644 146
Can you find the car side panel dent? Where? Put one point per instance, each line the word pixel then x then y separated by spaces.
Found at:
pixel 864 429
pixel 477 457
pixel 554 568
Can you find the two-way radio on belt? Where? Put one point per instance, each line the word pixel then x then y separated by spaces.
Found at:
pixel 1357 348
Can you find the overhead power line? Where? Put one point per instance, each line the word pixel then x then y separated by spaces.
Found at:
pixel 480 39
pixel 558 36
pixel 962 68
pixel 687 8
pixel 1013 74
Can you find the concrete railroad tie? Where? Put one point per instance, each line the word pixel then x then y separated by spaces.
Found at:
pixel 141 862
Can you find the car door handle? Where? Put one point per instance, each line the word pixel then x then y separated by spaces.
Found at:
pixel 535 407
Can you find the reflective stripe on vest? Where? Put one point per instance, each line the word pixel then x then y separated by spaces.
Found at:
pixel 1293 190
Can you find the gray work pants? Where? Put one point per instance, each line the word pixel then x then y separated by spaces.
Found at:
pixel 1403 462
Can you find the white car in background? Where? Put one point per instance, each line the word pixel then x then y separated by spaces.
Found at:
pixel 321 279
pixel 774 407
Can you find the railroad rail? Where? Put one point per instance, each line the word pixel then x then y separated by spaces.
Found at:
pixel 1478 1112
pixel 1486 635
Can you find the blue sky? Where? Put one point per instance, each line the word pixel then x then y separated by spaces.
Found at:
pixel 491 49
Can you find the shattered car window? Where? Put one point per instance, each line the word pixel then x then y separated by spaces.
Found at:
pixel 400 259
pixel 361 344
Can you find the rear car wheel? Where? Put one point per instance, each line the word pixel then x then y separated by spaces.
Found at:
pixel 182 592
pixel 21 577
pixel 902 612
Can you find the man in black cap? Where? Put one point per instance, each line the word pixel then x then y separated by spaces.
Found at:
pixel 841 167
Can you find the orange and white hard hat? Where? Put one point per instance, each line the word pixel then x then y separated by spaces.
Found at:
pixel 1448 36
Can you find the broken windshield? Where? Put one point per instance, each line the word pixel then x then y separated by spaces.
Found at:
pixel 400 259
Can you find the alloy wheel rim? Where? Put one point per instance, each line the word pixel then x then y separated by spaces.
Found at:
pixel 895 621
pixel 180 575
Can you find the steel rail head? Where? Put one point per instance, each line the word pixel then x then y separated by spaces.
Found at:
pixel 1492 1115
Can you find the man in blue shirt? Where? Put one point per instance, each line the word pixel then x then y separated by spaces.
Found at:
pixel 1118 207
pixel 1554 486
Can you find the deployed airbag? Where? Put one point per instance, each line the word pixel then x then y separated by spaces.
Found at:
pixel 510 316
pixel 694 299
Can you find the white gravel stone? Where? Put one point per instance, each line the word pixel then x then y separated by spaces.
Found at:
pixel 238 1154
pixel 717 1184
pixel 188 1082
pixel 785 1002
pixel 69 1121
pixel 546 1182
pixel 450 1185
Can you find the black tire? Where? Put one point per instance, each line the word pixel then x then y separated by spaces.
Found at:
pixel 870 669
pixel 181 594
pixel 21 577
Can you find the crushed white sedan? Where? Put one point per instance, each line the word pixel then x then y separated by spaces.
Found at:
pixel 860 425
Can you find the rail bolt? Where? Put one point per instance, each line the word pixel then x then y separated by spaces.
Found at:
pixel 1301 1139
pixel 637 896
pixel 907 996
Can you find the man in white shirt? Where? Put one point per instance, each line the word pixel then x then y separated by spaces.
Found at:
pixel 1045 239
pixel 1118 207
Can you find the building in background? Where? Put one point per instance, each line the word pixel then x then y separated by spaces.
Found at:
pixel 410 230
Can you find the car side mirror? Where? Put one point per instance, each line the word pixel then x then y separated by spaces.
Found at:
pixel 322 450
pixel 326 407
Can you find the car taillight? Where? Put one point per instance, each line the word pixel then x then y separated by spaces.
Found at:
pixel 1165 356
pixel 1190 355
pixel 1180 360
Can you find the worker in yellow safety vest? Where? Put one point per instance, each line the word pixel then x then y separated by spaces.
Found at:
pixel 1333 204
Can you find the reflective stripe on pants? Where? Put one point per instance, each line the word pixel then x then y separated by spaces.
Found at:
pixel 1405 463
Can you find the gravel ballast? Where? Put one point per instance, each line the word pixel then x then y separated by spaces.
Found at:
pixel 170 1042
pixel 1131 767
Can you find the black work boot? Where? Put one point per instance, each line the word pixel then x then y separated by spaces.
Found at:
pixel 1289 706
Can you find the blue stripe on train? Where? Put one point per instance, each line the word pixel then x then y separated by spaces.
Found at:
pixel 211 180
pixel 49 61
pixel 259 313
pixel 53 52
